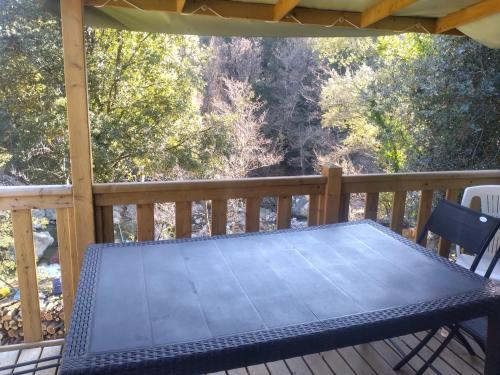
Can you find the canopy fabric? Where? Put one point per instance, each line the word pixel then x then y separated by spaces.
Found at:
pixel 479 20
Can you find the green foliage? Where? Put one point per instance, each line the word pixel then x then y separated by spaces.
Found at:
pixel 429 103
pixel 344 54
pixel 407 47
pixel 32 111
pixel 143 91
pixel 144 100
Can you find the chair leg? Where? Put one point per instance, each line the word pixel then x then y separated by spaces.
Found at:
pixel 438 351
pixel 415 350
pixel 465 343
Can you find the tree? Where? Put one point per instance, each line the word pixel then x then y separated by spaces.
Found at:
pixel 145 94
pixel 144 97
pixel 240 118
pixel 412 107
pixel 32 100
pixel 290 88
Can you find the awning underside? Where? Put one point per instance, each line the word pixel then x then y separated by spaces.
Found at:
pixel 479 20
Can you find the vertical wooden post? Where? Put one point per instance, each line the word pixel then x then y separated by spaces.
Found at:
pixel 145 222
pixel 183 219
pixel 345 201
pixel 444 245
pixel 332 193
pixel 320 219
pixel 99 235
pixel 424 211
pixel 26 274
pixel 371 206
pixel 66 260
pixel 252 214
pixel 313 214
pixel 398 211
pixel 78 123
pixel 219 216
pixel 284 214
pixel 72 238
pixel 108 226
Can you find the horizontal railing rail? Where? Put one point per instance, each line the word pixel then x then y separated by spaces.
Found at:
pixel 414 181
pixel 35 196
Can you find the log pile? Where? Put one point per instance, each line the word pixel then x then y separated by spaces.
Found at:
pixel 51 315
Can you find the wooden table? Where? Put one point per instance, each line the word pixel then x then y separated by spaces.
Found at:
pixel 202 305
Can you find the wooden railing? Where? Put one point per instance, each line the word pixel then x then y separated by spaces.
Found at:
pixel 146 194
pixel 400 183
pixel 20 200
pixel 329 200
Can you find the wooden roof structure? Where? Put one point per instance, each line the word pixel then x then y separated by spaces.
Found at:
pixel 479 19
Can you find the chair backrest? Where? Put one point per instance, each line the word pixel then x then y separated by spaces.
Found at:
pixel 463 226
pixel 490 205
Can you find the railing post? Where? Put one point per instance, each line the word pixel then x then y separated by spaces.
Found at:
pixel 219 216
pixel 26 274
pixel 424 212
pixel 444 245
pixel 75 76
pixel 371 206
pixel 333 192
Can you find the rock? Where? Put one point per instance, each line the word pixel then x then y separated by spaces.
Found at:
pixel 42 241
pixel 300 206
pixel 49 214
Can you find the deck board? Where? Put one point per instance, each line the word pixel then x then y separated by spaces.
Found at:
pixel 376 358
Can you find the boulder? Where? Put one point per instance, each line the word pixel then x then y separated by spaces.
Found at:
pixel 42 241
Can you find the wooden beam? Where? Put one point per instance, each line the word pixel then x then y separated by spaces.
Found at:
pixel 219 216
pixel 264 12
pixel 398 211
pixel 313 214
pixel 371 206
pixel 284 214
pixel 282 8
pixel 145 222
pixel 252 214
pixel 66 260
pixel 444 245
pixel 180 5
pixel 159 5
pixel 75 76
pixel 424 212
pixel 332 201
pixel 26 274
pixel 183 219
pixel 467 15
pixel 383 9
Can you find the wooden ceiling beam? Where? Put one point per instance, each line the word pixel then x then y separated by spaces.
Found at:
pixel 467 15
pixel 283 7
pixel 264 12
pixel 159 5
pixel 180 5
pixel 383 9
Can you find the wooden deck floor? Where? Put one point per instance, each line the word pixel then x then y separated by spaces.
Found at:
pixel 375 358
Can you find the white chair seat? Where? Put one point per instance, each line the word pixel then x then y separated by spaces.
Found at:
pixel 490 204
pixel 465 261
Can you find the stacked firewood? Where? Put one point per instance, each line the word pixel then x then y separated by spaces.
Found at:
pixel 51 316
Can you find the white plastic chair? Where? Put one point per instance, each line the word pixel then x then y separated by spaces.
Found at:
pixel 490 204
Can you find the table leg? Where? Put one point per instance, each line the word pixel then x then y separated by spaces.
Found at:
pixel 492 365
